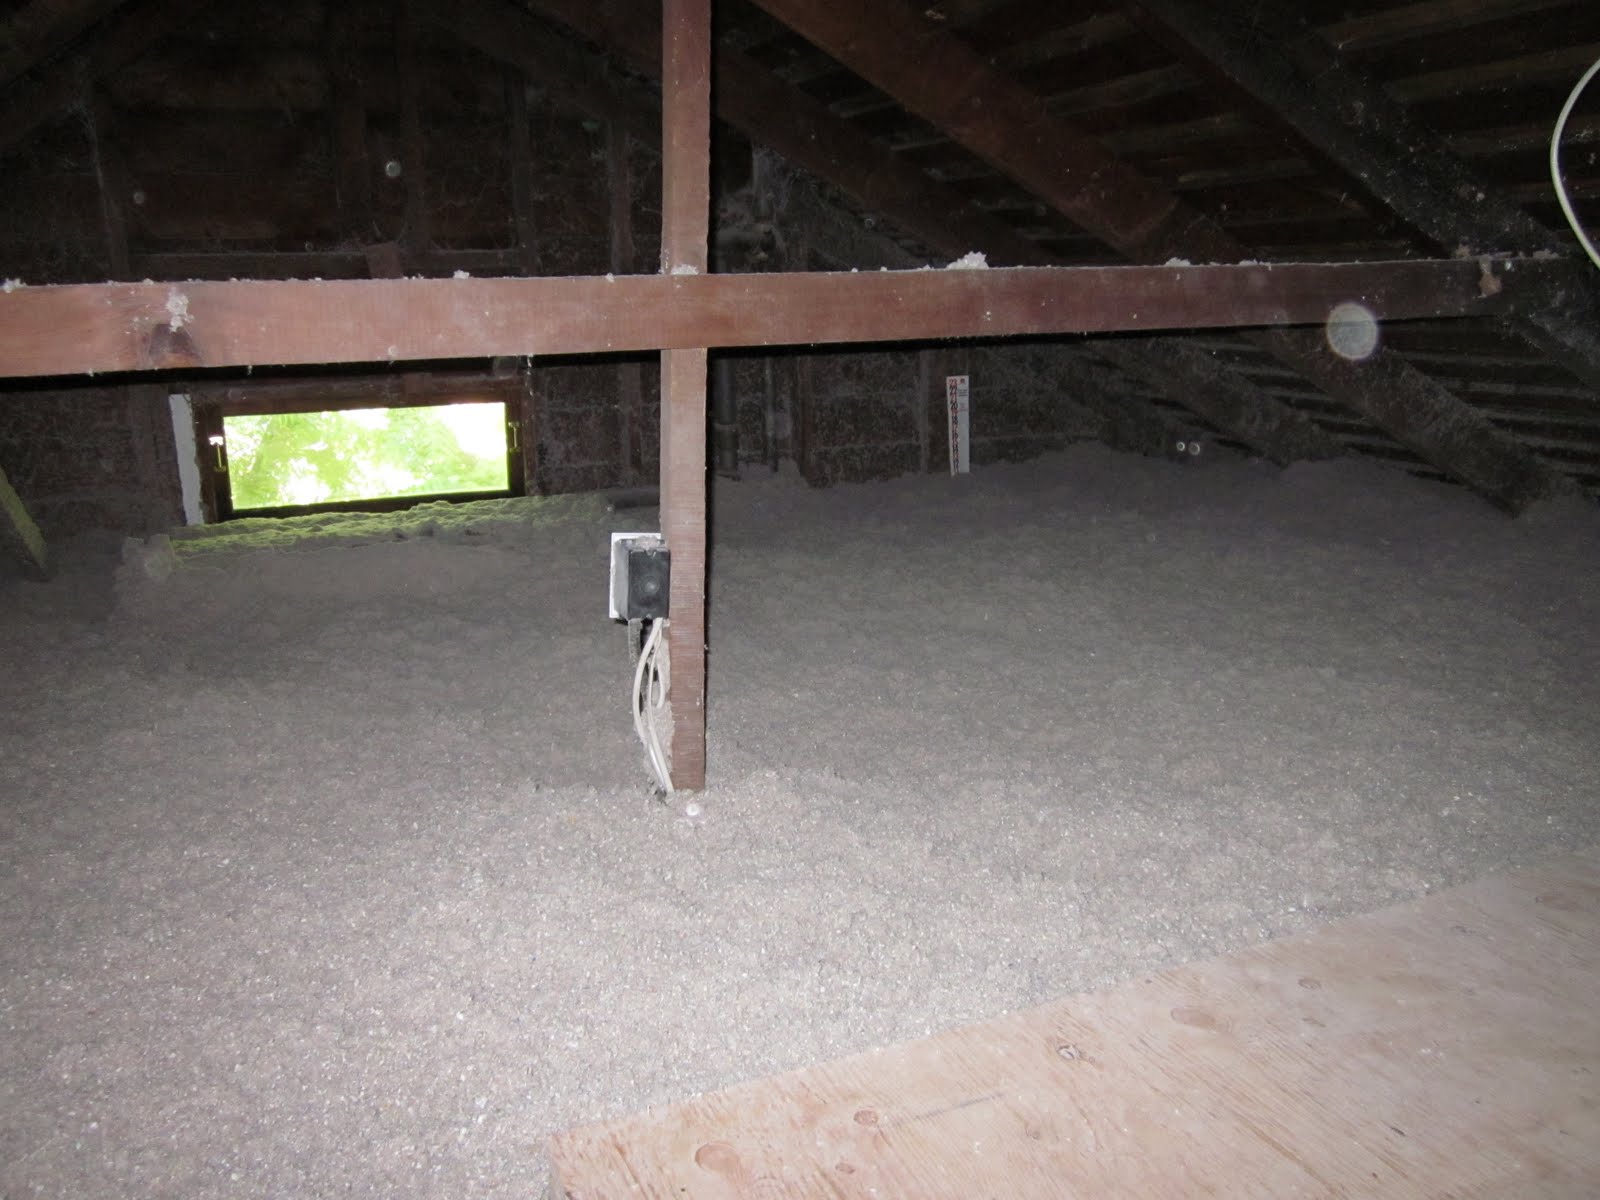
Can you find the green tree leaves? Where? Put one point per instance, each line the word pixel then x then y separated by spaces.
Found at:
pixel 282 459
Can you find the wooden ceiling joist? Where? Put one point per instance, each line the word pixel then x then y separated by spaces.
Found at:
pixel 781 116
pixel 1290 72
pixel 938 78
pixel 79 328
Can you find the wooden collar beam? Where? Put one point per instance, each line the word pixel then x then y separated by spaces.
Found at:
pixel 114 327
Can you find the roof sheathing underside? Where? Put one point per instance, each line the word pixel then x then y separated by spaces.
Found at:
pixel 1482 79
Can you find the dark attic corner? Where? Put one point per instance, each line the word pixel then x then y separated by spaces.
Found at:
pixel 558 556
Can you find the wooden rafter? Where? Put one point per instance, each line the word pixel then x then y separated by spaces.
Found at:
pixel 1208 387
pixel 117 41
pixel 512 36
pixel 933 74
pixel 1291 75
pixel 77 328
pixel 415 237
pixel 352 171
pixel 519 149
pixel 42 28
pixel 1425 17
pixel 111 180
pixel 779 115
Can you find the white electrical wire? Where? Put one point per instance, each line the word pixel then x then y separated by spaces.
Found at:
pixel 1555 163
pixel 650 698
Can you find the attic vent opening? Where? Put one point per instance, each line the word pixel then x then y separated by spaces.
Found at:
pixel 388 457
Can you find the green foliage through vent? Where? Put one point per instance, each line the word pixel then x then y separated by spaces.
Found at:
pixel 280 460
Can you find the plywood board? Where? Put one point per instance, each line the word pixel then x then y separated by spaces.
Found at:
pixel 1449 1047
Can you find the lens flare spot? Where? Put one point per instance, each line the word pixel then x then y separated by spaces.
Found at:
pixel 1352 331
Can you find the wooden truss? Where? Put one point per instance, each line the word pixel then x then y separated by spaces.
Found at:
pixel 684 311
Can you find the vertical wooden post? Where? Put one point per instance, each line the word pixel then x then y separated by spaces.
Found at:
pixel 685 220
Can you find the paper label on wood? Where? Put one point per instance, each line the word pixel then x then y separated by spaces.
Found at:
pixel 958 396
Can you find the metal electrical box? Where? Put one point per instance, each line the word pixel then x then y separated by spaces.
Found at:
pixel 641 573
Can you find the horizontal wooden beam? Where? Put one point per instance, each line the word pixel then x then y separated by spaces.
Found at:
pixel 73 329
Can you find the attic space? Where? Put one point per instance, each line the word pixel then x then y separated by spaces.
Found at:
pixel 1128 471
pixel 154 140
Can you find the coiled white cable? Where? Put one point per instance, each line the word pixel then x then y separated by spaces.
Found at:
pixel 650 698
pixel 1555 164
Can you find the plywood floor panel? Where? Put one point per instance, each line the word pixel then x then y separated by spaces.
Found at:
pixel 1444 1048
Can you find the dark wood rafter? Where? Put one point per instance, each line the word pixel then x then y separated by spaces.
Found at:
pixel 766 109
pixel 415 235
pixel 1208 387
pixel 1411 415
pixel 111 179
pixel 1423 17
pixel 77 328
pixel 348 124
pixel 1143 427
pixel 936 76
pixel 630 375
pixel 1088 382
pixel 1292 76
pixel 522 180
pixel 32 100
pixel 39 29
pixel 779 115
pixel 510 35
pixel 685 254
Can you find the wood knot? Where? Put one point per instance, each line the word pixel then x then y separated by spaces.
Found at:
pixel 171 347
pixel 720 1159
pixel 1199 1018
